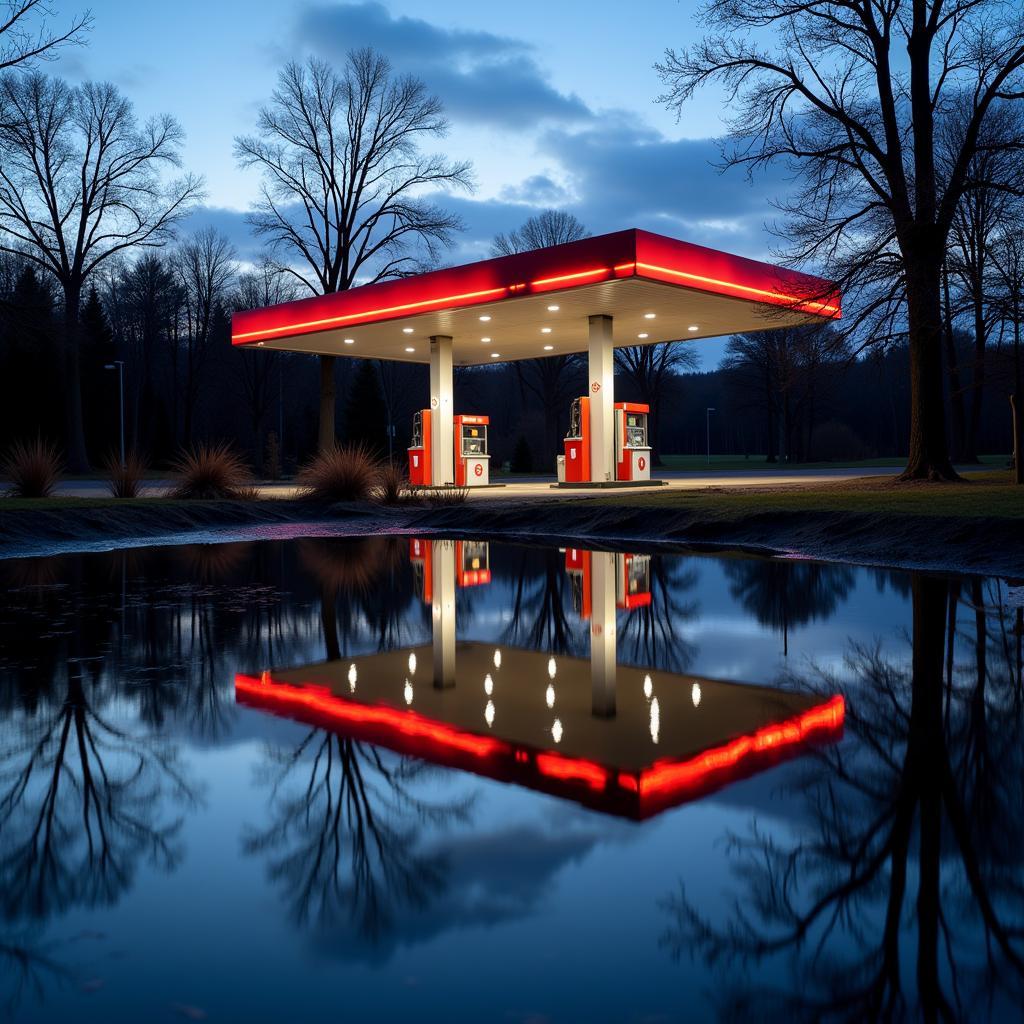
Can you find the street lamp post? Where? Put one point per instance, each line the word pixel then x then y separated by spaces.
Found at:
pixel 118 364
pixel 707 423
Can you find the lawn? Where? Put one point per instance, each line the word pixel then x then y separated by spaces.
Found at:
pixel 756 463
pixel 989 494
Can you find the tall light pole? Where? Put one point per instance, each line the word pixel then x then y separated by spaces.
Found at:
pixel 707 423
pixel 118 364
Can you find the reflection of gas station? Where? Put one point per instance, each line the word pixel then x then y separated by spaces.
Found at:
pixel 622 739
pixel 630 288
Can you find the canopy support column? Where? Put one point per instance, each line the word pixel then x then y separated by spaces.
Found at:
pixel 602 634
pixel 442 612
pixel 601 370
pixel 442 410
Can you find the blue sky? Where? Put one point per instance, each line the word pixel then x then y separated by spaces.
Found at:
pixel 553 102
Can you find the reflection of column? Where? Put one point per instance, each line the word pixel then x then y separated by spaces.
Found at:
pixel 602 633
pixel 442 407
pixel 443 611
pixel 601 368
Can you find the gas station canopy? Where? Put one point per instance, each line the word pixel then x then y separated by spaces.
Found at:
pixel 538 303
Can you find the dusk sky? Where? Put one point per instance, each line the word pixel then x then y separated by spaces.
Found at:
pixel 554 103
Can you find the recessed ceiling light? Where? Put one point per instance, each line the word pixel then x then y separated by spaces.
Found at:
pixel 642 334
pixel 548 348
pixel 495 355
pixel 552 309
pixel 649 316
pixel 407 330
pixel 693 327
pixel 485 340
pixel 545 330
pixel 349 341
pixel 484 319
pixel 410 350
pixel 259 344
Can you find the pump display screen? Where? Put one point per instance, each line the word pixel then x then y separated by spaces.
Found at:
pixel 474 440
pixel 636 430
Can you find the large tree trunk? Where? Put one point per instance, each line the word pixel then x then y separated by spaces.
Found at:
pixel 326 439
pixel 956 395
pixel 1015 405
pixel 928 458
pixel 76 455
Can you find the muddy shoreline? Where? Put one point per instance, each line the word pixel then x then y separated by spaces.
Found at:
pixel 989 546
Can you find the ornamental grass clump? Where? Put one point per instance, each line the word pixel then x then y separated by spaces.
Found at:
pixel 210 472
pixel 32 468
pixel 124 479
pixel 348 473
pixel 441 497
pixel 393 484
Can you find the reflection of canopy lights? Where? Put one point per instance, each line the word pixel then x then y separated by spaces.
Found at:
pixel 655 720
pixel 549 696
pixel 488 684
pixel 489 713
pixel 407 692
pixel 695 695
pixel 556 731
pixel 552 668
pixel 497 658
pixel 352 676
pixel 648 687
pixel 412 663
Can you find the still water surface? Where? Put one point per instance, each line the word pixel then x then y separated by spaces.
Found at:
pixel 383 779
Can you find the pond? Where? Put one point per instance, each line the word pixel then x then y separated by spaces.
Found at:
pixel 394 778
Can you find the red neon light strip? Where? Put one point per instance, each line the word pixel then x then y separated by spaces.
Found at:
pixel 768 293
pixel 322 701
pixel 828 716
pixel 540 282
pixel 371 313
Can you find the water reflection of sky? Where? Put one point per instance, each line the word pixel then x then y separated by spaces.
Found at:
pixel 521 905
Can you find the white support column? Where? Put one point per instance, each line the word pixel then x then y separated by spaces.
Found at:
pixel 443 611
pixel 442 459
pixel 602 634
pixel 601 366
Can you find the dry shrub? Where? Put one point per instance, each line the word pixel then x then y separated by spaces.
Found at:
pixel 209 472
pixel 443 496
pixel 124 481
pixel 393 484
pixel 347 473
pixel 33 468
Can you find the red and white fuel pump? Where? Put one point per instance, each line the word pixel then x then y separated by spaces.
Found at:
pixel 632 580
pixel 632 450
pixel 472 459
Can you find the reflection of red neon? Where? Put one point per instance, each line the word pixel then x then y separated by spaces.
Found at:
pixel 696 771
pixel 320 700
pixel 664 784
pixel 571 769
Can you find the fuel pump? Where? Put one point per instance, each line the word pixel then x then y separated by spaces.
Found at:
pixel 576 468
pixel 632 450
pixel 632 581
pixel 472 563
pixel 419 450
pixel 472 461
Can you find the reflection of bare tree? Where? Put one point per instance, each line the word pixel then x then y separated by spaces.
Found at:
pixel 539 619
pixel 79 800
pixel 782 594
pixel 651 634
pixel 345 839
pixel 26 967
pixel 917 829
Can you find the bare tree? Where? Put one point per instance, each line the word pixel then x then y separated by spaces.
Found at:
pixel 651 368
pixel 344 180
pixel 205 266
pixel 551 227
pixel 1007 254
pixel 848 96
pixel 548 379
pixel 80 183
pixel 265 285
pixel 27 35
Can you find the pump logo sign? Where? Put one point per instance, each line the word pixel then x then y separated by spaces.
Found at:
pixel 641 463
pixel 596 386
pixel 478 470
